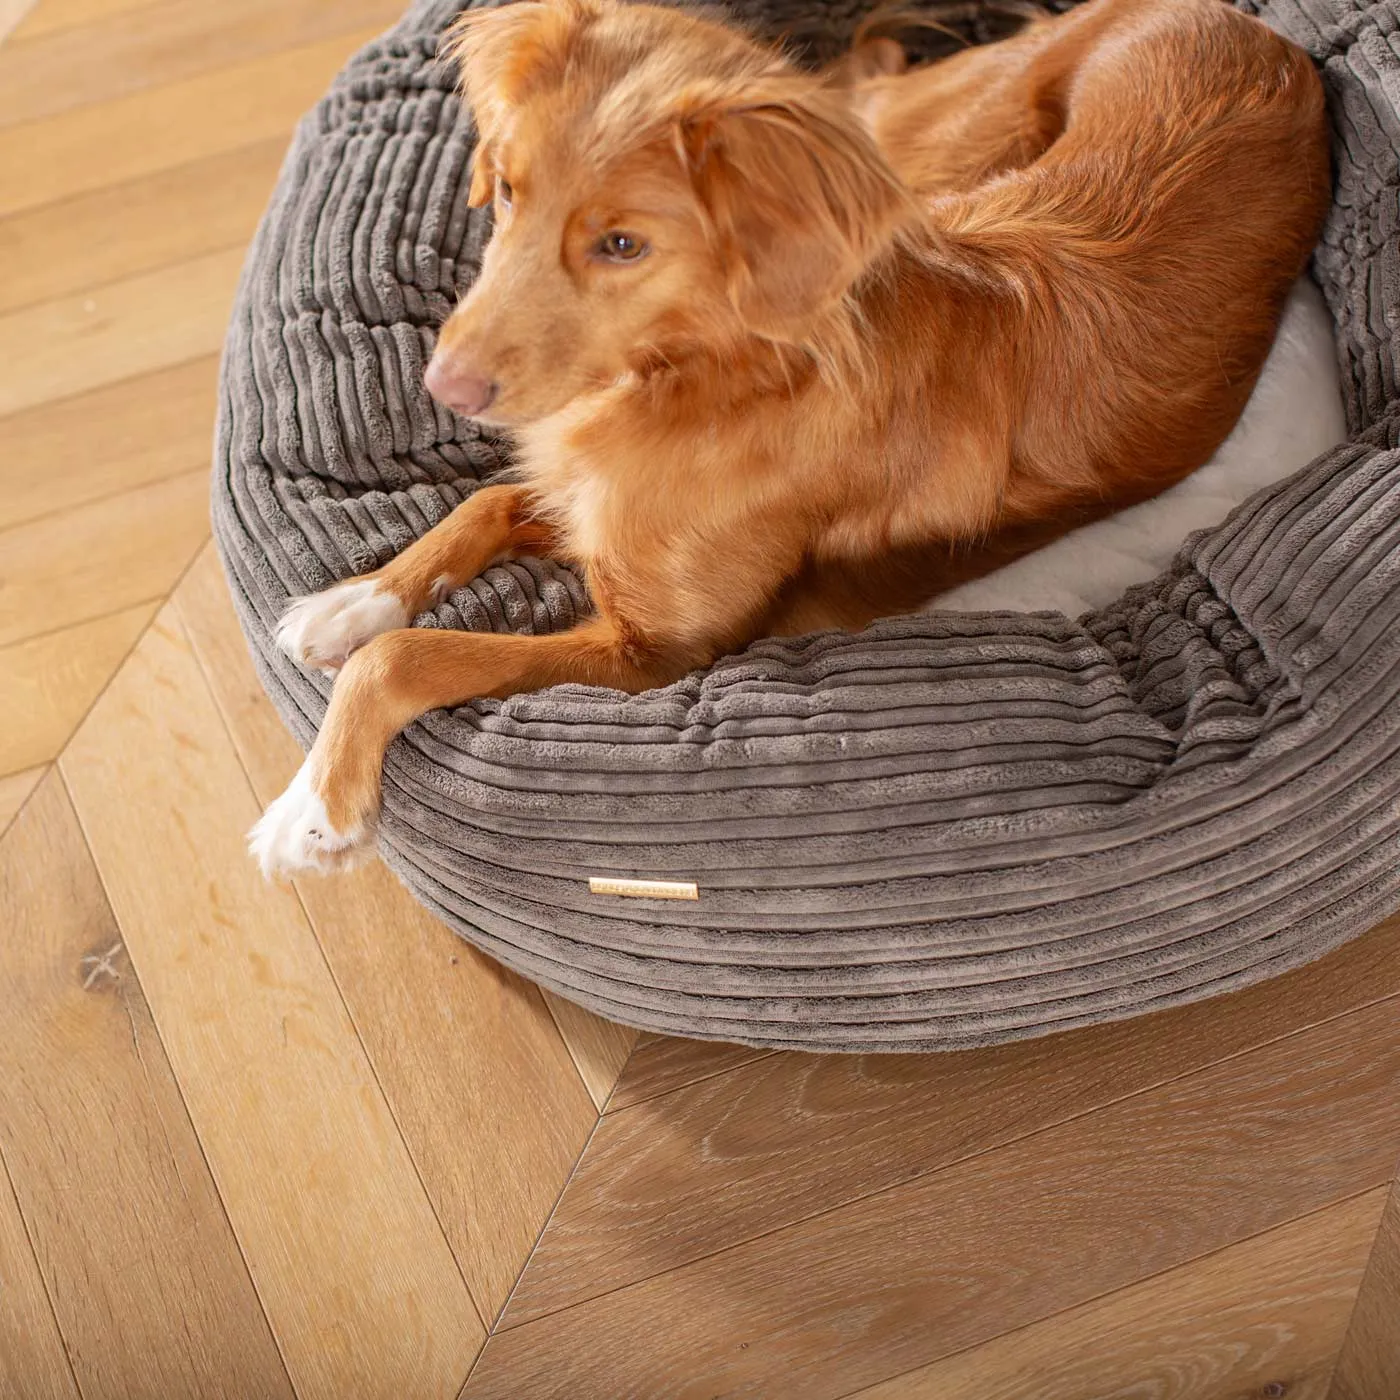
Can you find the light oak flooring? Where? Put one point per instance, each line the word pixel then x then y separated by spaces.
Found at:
pixel 261 1141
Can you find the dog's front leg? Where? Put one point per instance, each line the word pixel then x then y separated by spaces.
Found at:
pixel 495 523
pixel 326 818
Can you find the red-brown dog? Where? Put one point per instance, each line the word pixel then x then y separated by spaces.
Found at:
pixel 783 351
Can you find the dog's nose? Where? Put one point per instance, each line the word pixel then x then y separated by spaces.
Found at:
pixel 461 390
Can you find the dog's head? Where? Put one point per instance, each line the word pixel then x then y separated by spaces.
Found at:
pixel 662 185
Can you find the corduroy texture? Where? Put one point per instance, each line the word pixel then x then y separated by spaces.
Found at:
pixel 946 831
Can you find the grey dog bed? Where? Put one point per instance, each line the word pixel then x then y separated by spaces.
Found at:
pixel 947 830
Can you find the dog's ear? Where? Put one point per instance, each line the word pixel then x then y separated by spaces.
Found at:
pixel 801 201
pixel 503 52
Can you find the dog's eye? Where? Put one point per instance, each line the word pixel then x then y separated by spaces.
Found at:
pixel 503 191
pixel 617 246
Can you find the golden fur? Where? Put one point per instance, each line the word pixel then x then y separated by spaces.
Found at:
pixel 891 328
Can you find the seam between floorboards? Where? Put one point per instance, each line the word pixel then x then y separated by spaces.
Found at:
pixel 204 76
pixel 495 1327
pixel 553 1210
pixel 140 486
pixel 603 1108
pixel 77 394
pixel 183 38
pixel 156 598
pixel 97 501
pixel 160 599
pixel 43 772
pixel 7 1183
pixel 91 289
pixel 569 1051
pixel 1392 1195
pixel 130 181
pixel 689 1083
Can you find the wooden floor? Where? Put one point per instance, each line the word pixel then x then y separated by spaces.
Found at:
pixel 258 1141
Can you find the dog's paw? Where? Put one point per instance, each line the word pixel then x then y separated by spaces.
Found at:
pixel 322 629
pixel 295 835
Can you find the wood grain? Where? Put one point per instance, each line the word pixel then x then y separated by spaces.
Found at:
pixel 62 14
pixel 33 1364
pixel 14 793
pixel 1369 1365
pixel 115 552
pixel 483 1089
pixel 118 53
pixel 130 137
pixel 350 1263
pixel 924 1270
pixel 150 428
pixel 1260 1318
pixel 152 321
pixel 661 1063
pixel 151 1292
pixel 680 1176
pixel 267 751
pixel 48 682
pixel 50 253
pixel 12 13
pixel 599 1048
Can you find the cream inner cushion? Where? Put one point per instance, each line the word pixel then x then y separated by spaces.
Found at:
pixel 1294 415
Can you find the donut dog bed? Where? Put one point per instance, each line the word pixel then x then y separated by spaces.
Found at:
pixel 950 829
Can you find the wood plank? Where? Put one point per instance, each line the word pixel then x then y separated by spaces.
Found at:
pixel 14 793
pixel 662 1063
pixel 51 252
pixel 678 1177
pixel 351 1265
pixel 48 683
pixel 129 137
pixel 1369 1365
pixel 59 456
pixel 117 53
pixel 148 322
pixel 63 14
pixel 33 1364
pixel 265 748
pixel 12 13
pixel 151 1293
pixel 479 1081
pixel 599 1048
pixel 111 553
pixel 924 1270
pixel 1264 1317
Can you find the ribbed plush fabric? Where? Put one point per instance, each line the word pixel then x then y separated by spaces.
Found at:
pixel 944 831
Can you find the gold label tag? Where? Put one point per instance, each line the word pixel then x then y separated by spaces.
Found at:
pixel 643 889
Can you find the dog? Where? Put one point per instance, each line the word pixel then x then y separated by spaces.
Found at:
pixel 783 350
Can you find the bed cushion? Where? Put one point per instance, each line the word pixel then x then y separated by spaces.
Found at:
pixel 950 829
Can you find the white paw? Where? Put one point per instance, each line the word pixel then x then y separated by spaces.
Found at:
pixel 295 835
pixel 322 629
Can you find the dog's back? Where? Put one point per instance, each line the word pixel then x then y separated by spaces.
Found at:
pixel 1119 202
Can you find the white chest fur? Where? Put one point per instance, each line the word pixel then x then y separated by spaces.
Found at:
pixel 576 495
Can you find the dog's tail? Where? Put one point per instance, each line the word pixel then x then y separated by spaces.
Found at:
pixel 963 21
